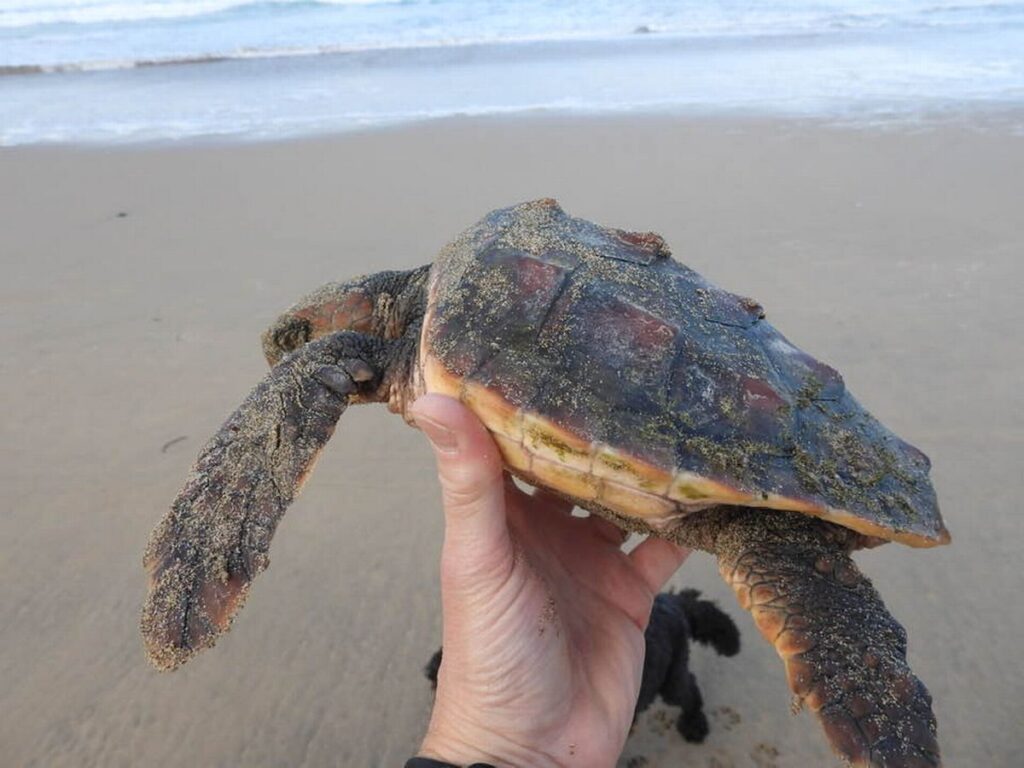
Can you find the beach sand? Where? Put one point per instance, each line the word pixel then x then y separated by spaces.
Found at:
pixel 134 284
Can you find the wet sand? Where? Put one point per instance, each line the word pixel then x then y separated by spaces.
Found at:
pixel 134 284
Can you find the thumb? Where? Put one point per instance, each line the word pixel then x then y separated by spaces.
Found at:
pixel 472 485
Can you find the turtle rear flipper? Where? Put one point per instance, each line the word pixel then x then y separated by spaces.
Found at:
pixel 214 540
pixel 845 654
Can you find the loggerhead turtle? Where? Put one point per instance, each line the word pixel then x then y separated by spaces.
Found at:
pixel 621 379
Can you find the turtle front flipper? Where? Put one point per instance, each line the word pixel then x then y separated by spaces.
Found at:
pixel 845 655
pixel 214 540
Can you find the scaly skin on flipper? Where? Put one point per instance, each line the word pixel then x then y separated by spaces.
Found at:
pixel 845 654
pixel 214 540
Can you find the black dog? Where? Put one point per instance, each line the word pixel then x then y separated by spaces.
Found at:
pixel 676 618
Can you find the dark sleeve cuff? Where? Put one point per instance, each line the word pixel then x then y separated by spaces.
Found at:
pixel 426 762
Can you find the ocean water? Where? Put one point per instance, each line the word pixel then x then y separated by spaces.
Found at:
pixel 138 70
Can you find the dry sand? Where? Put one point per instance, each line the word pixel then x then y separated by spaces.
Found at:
pixel 896 256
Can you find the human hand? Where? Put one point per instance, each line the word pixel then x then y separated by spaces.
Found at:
pixel 543 613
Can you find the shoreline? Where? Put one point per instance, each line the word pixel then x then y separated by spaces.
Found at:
pixel 893 255
pixel 989 118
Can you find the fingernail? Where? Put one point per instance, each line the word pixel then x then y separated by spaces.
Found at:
pixel 442 438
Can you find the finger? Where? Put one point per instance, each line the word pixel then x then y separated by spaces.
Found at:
pixel 607 530
pixel 472 484
pixel 656 560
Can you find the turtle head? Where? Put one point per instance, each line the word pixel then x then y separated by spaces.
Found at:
pixel 383 304
pixel 333 307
